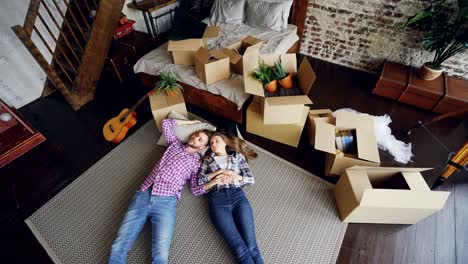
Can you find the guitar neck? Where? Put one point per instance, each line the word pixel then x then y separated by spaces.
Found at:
pixel 135 106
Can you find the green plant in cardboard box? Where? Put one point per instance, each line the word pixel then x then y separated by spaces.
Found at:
pixel 265 75
pixel 168 84
pixel 284 79
pixel 445 33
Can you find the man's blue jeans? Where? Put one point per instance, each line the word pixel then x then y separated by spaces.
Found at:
pixel 161 210
pixel 232 215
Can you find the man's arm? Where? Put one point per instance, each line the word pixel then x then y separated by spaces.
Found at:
pixel 168 126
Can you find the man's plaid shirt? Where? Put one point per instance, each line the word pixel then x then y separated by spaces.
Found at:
pixel 236 162
pixel 175 168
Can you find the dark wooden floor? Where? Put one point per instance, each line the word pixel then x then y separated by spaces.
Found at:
pixel 74 143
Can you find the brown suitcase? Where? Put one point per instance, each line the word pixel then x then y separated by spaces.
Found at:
pixel 392 81
pixel 456 96
pixel 421 93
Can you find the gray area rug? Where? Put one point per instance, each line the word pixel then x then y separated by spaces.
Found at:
pixel 295 216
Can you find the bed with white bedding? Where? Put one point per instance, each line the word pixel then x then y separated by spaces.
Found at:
pixel 160 60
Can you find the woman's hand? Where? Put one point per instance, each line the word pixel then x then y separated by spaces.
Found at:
pixel 235 176
pixel 216 173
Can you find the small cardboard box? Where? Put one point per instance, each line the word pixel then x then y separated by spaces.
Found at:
pixel 367 150
pixel 320 115
pixel 288 134
pixel 183 51
pixel 236 50
pixel 162 105
pixel 211 65
pixel 280 109
pixel 386 195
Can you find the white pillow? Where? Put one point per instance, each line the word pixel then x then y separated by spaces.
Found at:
pixel 183 132
pixel 228 11
pixel 268 15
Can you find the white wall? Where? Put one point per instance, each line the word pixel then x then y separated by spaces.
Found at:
pixel 21 78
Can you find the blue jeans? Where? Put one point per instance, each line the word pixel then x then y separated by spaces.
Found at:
pixel 232 216
pixel 161 210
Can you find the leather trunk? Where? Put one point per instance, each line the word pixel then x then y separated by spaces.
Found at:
pixel 456 96
pixel 393 80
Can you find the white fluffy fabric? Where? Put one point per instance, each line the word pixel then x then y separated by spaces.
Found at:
pixel 400 150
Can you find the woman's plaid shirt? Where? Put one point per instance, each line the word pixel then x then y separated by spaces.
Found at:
pixel 236 162
pixel 175 168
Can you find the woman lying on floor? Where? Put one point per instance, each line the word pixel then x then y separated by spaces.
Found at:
pixel 229 209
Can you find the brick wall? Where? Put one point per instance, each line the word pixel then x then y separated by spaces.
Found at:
pixel 361 34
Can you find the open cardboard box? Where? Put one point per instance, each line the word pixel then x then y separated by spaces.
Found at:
pixel 280 109
pixel 367 150
pixel 386 195
pixel 162 105
pixel 236 51
pixel 289 134
pixel 211 65
pixel 183 51
pixel 319 115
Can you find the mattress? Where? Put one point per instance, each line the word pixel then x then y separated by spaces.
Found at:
pixel 160 60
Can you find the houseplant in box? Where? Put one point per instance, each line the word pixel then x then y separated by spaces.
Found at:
pixel 445 34
pixel 283 78
pixel 168 84
pixel 264 74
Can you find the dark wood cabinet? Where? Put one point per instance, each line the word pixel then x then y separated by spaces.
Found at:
pixel 125 52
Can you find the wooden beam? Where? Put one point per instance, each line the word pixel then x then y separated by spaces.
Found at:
pixel 298 16
pixel 30 19
pixel 37 55
pixel 97 48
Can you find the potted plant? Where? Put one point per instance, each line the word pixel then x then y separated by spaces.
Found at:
pixel 443 34
pixel 265 75
pixel 168 84
pixel 283 78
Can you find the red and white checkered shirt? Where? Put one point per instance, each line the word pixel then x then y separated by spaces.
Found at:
pixel 175 168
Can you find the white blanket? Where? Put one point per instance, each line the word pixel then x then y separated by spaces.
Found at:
pixel 160 60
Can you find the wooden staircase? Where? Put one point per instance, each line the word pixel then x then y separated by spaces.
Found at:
pixel 83 34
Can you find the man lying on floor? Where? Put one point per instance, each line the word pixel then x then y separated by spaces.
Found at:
pixel 156 199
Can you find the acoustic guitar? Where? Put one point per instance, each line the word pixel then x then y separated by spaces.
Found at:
pixel 116 128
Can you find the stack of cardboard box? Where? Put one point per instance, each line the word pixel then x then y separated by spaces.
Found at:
pixel 279 118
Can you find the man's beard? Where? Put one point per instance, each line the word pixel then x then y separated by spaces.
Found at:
pixel 192 145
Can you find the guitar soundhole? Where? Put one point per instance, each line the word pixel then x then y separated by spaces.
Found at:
pixel 111 128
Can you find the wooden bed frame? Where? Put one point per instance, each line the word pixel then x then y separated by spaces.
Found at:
pixel 219 105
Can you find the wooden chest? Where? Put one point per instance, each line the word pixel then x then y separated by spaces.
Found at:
pixel 393 80
pixel 17 136
pixel 456 96
pixel 421 93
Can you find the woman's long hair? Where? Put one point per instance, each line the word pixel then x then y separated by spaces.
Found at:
pixel 235 144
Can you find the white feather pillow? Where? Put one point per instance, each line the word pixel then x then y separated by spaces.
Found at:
pixel 268 15
pixel 228 11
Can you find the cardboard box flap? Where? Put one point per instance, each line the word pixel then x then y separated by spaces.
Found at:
pixel 218 54
pixel 415 181
pixel 370 170
pixel 317 113
pixel 288 100
pixel 185 45
pixel 305 76
pixel 251 40
pixel 211 32
pixel 250 63
pixel 203 55
pixel 233 54
pixel 410 199
pixel 367 144
pixel 350 120
pixel 325 137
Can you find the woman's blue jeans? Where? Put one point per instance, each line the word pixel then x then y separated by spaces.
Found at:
pixel 232 215
pixel 161 210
